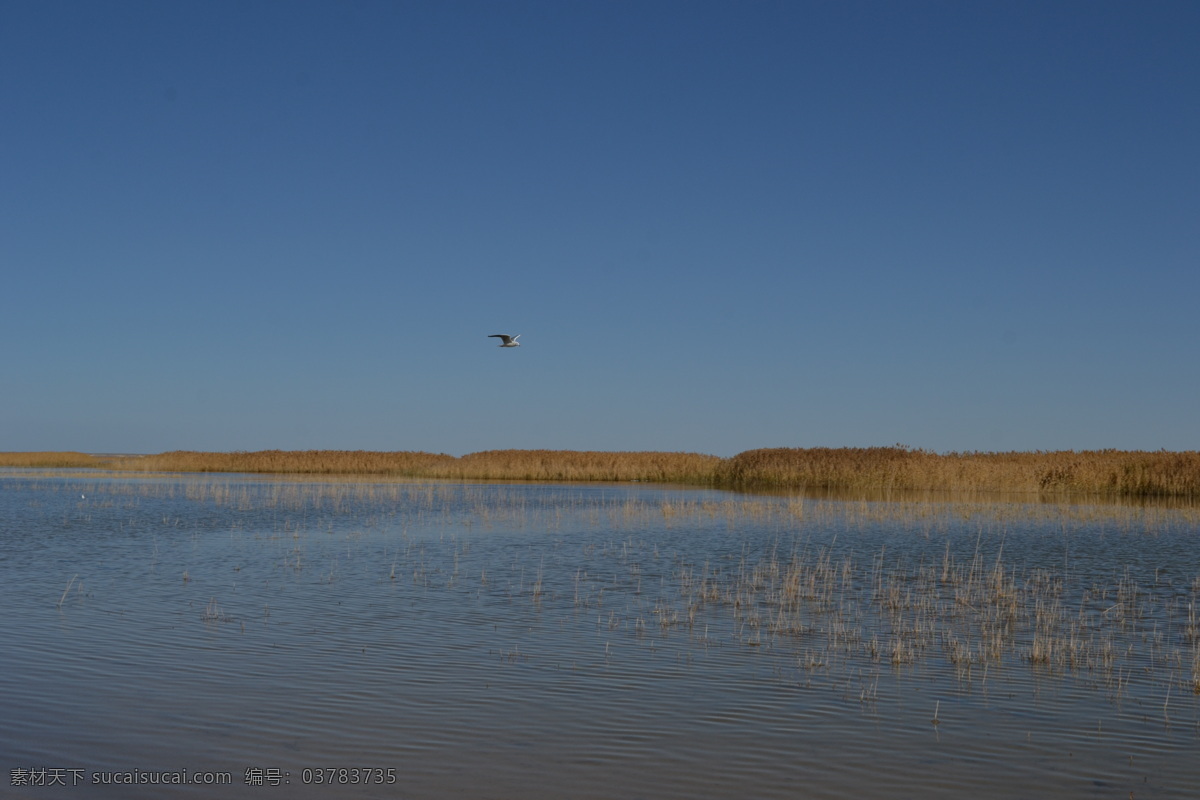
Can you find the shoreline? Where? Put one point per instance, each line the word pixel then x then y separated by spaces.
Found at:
pixel 1103 473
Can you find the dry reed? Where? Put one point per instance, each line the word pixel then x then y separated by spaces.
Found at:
pixel 975 614
pixel 51 460
pixel 316 462
pixel 1111 472
pixel 570 465
pixel 1114 473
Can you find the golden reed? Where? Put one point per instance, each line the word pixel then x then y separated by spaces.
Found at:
pixel 1115 472
pixel 1108 472
pixel 65 460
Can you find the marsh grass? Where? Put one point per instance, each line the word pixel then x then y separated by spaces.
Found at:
pixel 308 462
pixel 542 465
pixel 1103 472
pixel 1114 473
pixel 976 614
pixel 52 460
pixel 523 465
pixel 981 614
pixel 214 613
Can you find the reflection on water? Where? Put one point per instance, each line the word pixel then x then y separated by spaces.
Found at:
pixel 591 641
pixel 978 496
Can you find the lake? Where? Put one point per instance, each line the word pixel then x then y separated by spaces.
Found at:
pixel 242 636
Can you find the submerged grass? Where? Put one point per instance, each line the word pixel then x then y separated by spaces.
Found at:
pixel 967 611
pixel 1118 473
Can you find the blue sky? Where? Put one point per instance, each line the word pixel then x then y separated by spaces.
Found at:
pixel 717 226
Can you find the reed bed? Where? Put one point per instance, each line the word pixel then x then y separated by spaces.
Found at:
pixel 1114 473
pixel 1104 472
pixel 524 465
pixel 310 462
pixel 51 460
pixel 573 465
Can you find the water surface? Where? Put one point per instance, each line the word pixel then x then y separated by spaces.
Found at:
pixel 551 641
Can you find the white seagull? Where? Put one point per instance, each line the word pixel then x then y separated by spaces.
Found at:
pixel 508 341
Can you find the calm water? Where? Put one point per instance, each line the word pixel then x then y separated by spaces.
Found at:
pixel 503 641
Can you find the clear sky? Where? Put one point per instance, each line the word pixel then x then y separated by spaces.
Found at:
pixel 717 226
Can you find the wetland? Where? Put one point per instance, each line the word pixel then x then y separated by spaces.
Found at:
pixel 492 640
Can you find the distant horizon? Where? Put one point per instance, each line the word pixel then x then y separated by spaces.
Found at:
pixel 604 450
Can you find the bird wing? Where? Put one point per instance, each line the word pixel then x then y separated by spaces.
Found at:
pixel 505 337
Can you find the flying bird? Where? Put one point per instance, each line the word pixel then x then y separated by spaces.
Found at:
pixel 507 341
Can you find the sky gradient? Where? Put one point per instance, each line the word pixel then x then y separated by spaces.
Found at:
pixel 717 226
